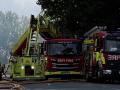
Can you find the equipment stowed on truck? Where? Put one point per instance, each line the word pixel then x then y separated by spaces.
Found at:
pixel 102 56
pixel 54 56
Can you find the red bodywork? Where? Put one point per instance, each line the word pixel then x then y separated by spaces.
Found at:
pixel 65 63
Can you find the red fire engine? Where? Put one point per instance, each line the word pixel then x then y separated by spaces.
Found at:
pixel 102 54
pixel 64 57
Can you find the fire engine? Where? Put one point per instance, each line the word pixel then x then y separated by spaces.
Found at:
pixel 64 57
pixel 34 58
pixel 102 54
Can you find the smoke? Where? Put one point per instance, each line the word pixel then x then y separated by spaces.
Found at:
pixel 21 7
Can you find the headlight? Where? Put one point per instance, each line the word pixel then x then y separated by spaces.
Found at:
pixel 22 67
pixel 107 71
pixel 32 67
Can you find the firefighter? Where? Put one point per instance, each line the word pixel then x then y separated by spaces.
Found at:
pixel 100 57
pixel 100 60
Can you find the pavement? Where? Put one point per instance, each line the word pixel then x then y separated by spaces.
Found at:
pixel 10 85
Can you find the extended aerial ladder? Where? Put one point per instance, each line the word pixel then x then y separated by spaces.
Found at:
pixel 38 26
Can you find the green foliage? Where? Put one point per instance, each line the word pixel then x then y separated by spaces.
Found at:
pixel 11 28
pixel 78 16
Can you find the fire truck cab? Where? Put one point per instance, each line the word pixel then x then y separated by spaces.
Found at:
pixel 63 58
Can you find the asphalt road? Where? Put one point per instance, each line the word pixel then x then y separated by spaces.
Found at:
pixel 71 86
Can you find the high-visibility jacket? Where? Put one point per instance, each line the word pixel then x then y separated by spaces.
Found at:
pixel 100 56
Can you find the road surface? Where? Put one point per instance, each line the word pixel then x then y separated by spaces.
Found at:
pixel 71 86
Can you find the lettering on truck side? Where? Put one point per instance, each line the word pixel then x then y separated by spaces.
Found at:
pixel 113 57
pixel 65 60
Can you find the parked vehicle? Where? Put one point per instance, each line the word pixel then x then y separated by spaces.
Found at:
pixel 102 56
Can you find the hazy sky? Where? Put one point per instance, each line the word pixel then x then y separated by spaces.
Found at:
pixel 21 7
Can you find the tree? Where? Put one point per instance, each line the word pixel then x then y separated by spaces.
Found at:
pixel 78 16
pixel 11 28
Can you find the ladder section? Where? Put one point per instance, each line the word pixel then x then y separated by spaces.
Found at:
pixel 46 28
pixel 32 40
pixel 40 26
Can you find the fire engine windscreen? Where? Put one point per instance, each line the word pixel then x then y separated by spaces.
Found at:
pixel 112 45
pixel 64 48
